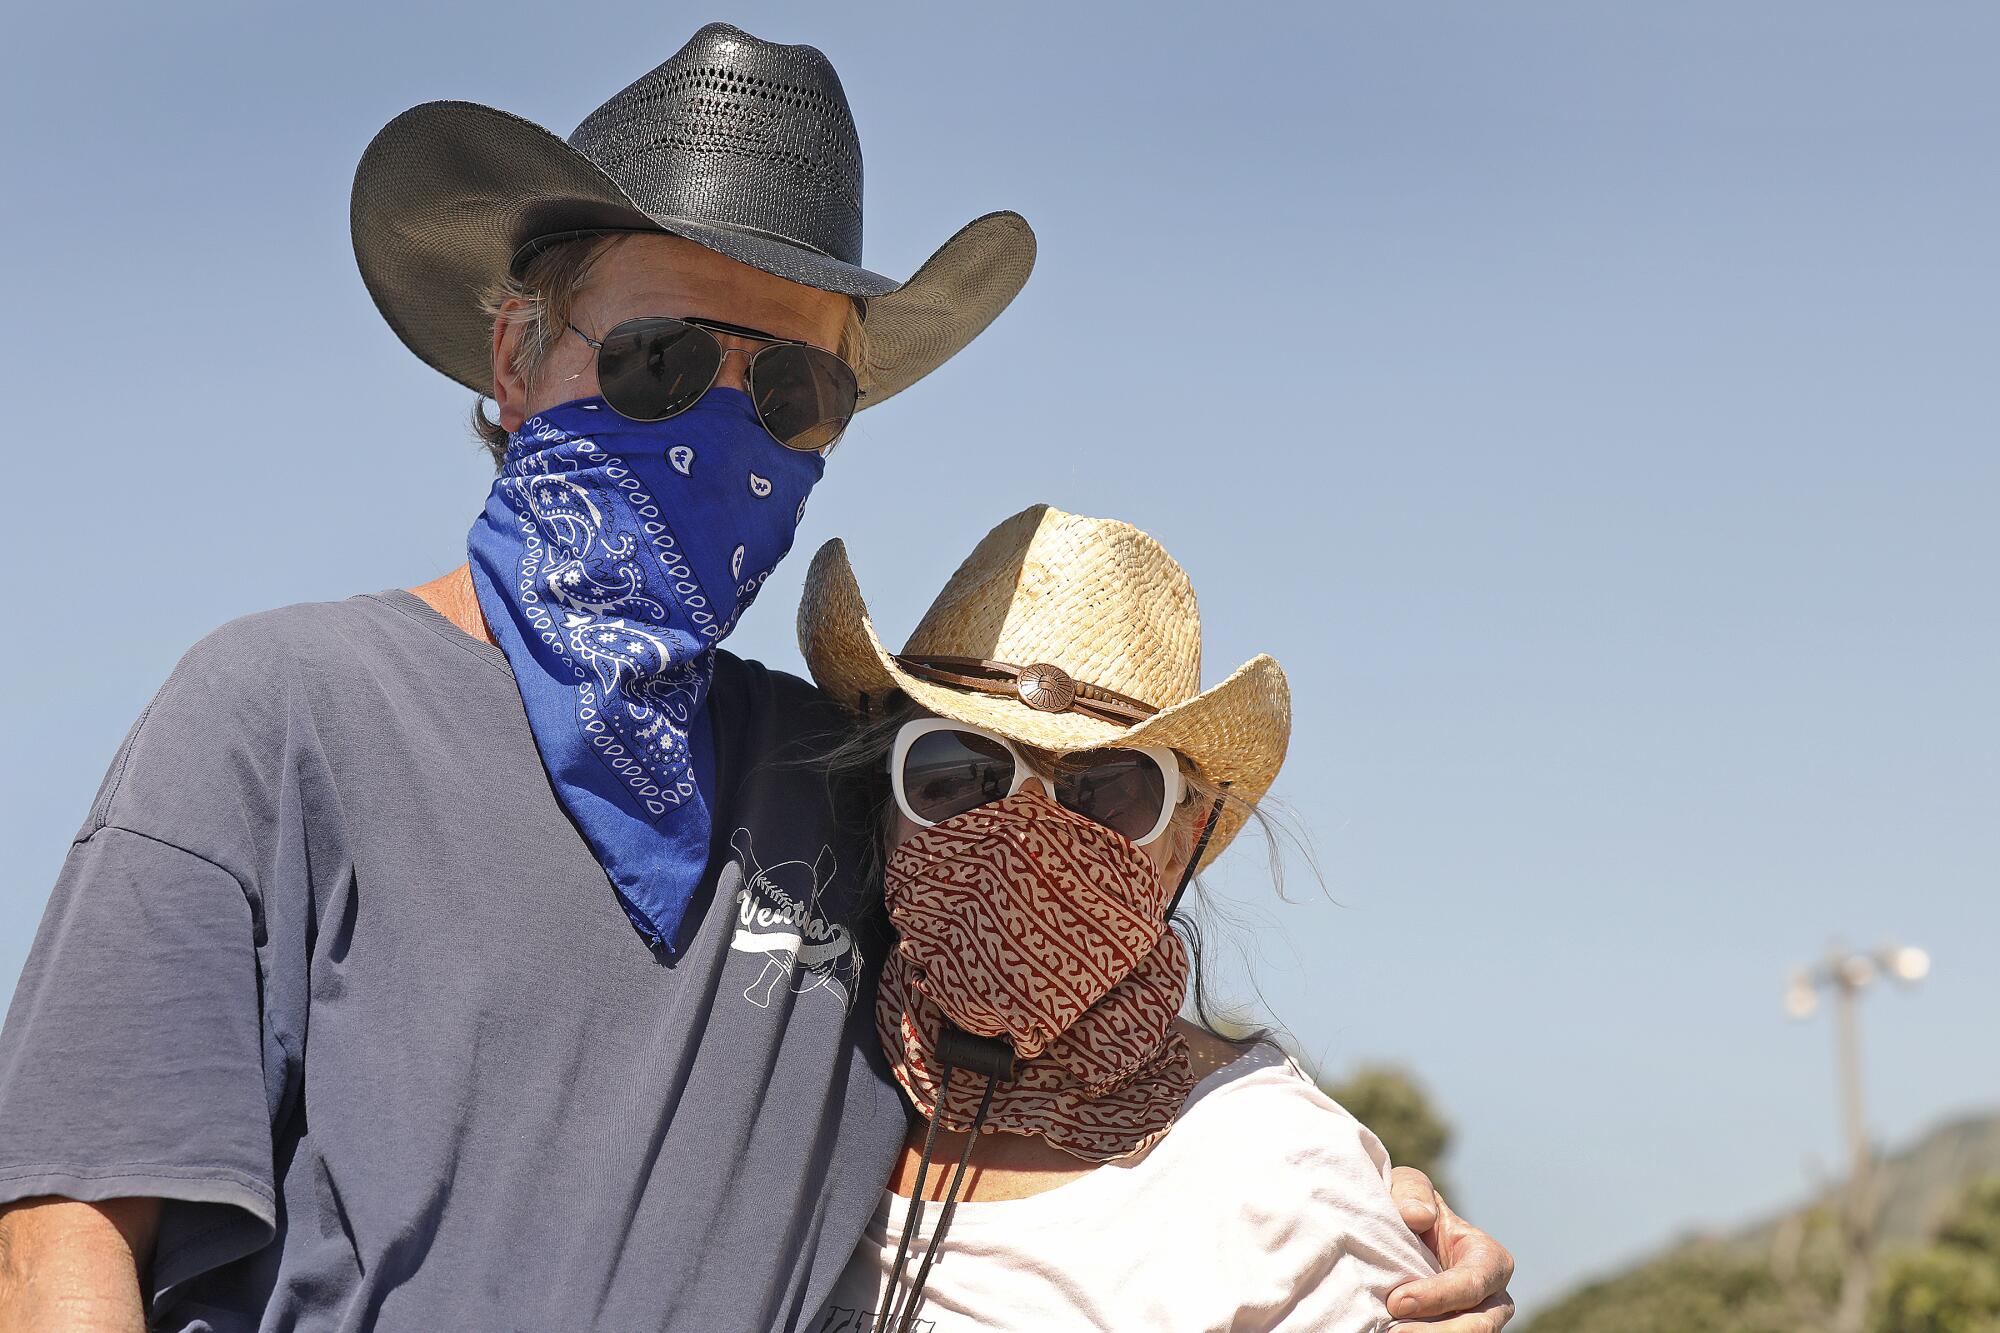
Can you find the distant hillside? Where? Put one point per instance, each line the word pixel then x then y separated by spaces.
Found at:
pixel 1915 1188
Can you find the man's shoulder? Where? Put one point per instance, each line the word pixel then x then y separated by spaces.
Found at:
pixel 794 702
pixel 228 716
pixel 247 676
pixel 305 639
pixel 299 628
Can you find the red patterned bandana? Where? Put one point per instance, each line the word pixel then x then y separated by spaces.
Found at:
pixel 1025 921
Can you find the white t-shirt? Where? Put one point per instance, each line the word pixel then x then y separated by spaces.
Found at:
pixel 1265 1207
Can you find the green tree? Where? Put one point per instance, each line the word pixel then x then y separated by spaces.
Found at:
pixel 1952 1286
pixel 1975 1224
pixel 1391 1103
pixel 1696 1289
pixel 1939 1290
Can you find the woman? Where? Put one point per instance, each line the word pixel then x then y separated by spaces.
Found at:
pixel 1049 776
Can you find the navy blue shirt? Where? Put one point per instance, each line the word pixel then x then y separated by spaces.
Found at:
pixel 329 971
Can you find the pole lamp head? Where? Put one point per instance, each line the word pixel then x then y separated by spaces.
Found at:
pixel 1801 997
pixel 1907 964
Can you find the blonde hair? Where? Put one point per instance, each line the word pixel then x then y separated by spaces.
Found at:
pixel 547 290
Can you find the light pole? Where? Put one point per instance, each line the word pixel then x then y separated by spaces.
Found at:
pixel 1846 975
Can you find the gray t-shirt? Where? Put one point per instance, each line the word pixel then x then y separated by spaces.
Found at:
pixel 329 970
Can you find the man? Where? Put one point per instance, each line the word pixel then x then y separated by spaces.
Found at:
pixel 481 956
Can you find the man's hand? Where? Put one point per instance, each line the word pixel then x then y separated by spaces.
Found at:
pixel 69 1267
pixel 1470 1296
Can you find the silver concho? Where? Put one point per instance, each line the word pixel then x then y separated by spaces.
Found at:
pixel 1046 688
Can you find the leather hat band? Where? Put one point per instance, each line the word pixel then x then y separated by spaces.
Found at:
pixel 1041 686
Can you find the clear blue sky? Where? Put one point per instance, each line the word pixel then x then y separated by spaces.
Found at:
pixel 1593 406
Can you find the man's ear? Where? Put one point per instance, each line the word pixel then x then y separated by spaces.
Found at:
pixel 510 389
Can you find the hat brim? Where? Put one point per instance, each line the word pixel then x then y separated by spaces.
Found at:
pixel 1234 733
pixel 449 193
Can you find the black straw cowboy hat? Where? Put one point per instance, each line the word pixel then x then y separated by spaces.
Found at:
pixel 738 144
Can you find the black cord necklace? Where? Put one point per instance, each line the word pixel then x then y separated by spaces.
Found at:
pixel 993 1059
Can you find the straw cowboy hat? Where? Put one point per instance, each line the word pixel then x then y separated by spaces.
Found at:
pixel 1062 633
pixel 738 144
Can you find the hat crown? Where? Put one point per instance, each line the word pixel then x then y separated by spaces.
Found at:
pixel 735 130
pixel 1096 597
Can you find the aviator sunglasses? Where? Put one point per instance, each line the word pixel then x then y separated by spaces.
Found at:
pixel 653 367
pixel 939 768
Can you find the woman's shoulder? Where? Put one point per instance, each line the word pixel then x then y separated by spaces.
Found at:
pixel 1253 1107
pixel 1288 1181
pixel 1209 1052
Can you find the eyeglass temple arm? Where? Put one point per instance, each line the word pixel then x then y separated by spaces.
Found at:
pixel 1200 846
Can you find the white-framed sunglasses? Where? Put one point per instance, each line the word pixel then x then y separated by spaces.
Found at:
pixel 939 768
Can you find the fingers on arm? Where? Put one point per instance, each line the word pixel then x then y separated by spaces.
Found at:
pixel 1416 1198
pixel 1478 1269
pixel 1490 1317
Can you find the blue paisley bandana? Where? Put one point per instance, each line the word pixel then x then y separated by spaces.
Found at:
pixel 613 555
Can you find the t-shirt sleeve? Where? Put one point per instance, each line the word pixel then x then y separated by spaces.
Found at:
pixel 1321 1224
pixel 130 1064
pixel 140 1057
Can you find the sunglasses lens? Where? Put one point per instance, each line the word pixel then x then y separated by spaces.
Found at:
pixel 949 772
pixel 649 369
pixel 804 395
pixel 1124 790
